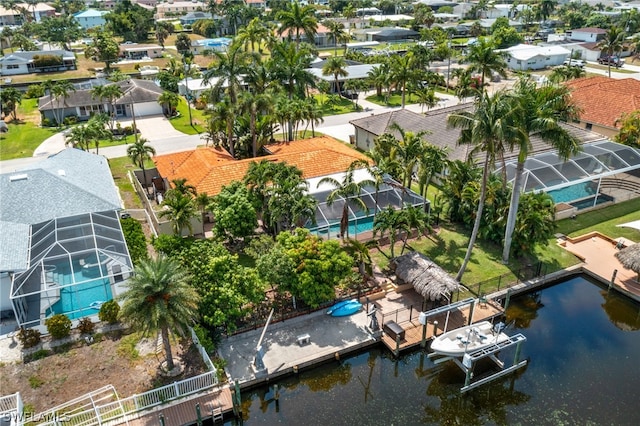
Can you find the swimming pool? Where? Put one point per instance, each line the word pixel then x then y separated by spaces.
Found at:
pixel 573 193
pixel 355 227
pixel 586 203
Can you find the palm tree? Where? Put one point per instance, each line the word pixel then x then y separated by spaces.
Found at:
pixel 203 201
pixel 255 32
pixel 403 70
pixel 539 111
pixel 298 19
pixel 98 131
pixel 179 209
pixel 336 33
pixel 393 221
pixel 487 129
pixel 111 93
pixel 337 67
pixel 159 297
pixel 485 59
pixel 139 153
pixel 11 98
pixel 427 97
pixel 546 8
pixel 254 104
pixel 169 101
pixel 612 43
pixel 433 161
pixel 379 76
pixel 60 91
pixel 406 151
pixel 347 191
pixel 79 137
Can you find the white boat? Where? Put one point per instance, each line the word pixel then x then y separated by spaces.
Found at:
pixel 467 339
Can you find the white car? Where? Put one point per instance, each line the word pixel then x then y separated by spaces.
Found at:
pixel 574 63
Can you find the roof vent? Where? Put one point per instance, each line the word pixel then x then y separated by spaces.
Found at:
pixel 15 178
pixel 61 173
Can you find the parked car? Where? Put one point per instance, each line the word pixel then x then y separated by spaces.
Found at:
pixel 349 94
pixel 574 63
pixel 611 60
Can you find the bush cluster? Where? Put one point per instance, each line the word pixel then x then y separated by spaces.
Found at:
pixel 29 337
pixel 58 326
pixel 86 326
pixel 109 312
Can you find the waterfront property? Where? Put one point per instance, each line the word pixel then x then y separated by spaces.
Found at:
pixel 37 61
pixel 62 246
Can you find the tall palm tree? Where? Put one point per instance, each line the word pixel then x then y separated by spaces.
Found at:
pixel 179 209
pixel 406 151
pixel 254 104
pixel 433 161
pixel 336 33
pixel 487 129
pixel 298 19
pixel 111 93
pixel 546 8
pixel 347 191
pixel 60 91
pixel 403 70
pixel 79 137
pixel 612 43
pixel 255 32
pixel 181 186
pixel 379 77
pixel 337 67
pixel 11 98
pixel 139 152
pixel 539 113
pixel 159 297
pixel 392 221
pixel 483 58
pixel 427 97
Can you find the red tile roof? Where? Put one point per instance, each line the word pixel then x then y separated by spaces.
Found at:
pixel 209 169
pixel 603 100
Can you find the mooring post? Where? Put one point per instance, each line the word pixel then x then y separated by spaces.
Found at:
pixel 276 395
pixel 198 414
pixel 397 351
pixel 423 342
pixel 516 358
pixel 161 419
pixel 613 278
pixel 506 299
pixel 471 309
pixel 435 328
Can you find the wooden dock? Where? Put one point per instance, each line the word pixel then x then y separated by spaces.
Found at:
pixel 457 318
pixel 213 405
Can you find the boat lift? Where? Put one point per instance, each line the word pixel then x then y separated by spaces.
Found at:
pixel 468 360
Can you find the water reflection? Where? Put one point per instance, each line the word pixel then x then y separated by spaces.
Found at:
pixel 621 312
pixel 524 310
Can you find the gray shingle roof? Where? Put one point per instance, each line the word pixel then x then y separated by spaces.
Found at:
pixel 69 183
pixel 435 123
pixel 136 91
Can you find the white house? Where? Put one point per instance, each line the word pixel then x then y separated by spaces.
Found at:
pixel 587 34
pixel 37 61
pixel 528 57
pixel 91 18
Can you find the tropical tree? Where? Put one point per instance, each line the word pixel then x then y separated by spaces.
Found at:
pixel 159 297
pixel 485 60
pixel 169 101
pixel 139 153
pixel 183 43
pixel 111 93
pixel 79 137
pixel 403 70
pixel 256 32
pixel 255 104
pixel 337 67
pixel 546 8
pixel 235 216
pixel 163 30
pixel 629 129
pixel 406 151
pixel 103 48
pixel 99 133
pixel 433 161
pixel 392 221
pixel 379 76
pixel 487 129
pixel 179 209
pixel 427 97
pixel 60 91
pixel 612 43
pixel 346 191
pixel 336 33
pixel 539 113
pixel 10 98
pixel 359 251
pixel 181 186
pixel 298 19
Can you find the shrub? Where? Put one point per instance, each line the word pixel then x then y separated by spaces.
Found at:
pixel 109 312
pixel 58 326
pixel 70 120
pixel 39 354
pixel 135 238
pixel 204 338
pixel 86 326
pixel 47 60
pixel 29 337
pixel 34 91
pixel 35 382
pixel 46 122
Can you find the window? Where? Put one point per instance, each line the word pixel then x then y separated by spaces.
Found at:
pixel 90 110
pixel 13 67
pixel 588 126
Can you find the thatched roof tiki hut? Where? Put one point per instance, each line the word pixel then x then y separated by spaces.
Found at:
pixel 428 279
pixel 630 258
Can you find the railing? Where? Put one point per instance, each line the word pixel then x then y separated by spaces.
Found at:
pixel 11 403
pixel 508 280
pixel 100 414
pixel 401 315
pixel 203 352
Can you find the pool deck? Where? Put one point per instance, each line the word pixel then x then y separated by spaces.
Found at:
pixel 597 251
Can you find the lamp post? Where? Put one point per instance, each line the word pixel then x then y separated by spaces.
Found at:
pixel 449 63
pixel 133 113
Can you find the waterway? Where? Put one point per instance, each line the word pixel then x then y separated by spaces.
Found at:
pixel 583 347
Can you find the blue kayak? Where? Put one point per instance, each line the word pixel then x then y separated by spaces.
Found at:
pixel 344 308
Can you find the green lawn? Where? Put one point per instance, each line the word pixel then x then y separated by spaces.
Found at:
pixel 394 100
pixel 119 168
pixel 24 134
pixel 181 122
pixel 334 105
pixel 448 247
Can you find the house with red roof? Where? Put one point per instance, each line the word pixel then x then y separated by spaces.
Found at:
pixel 603 101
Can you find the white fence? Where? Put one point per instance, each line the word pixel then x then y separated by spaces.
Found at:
pixel 11 409
pixel 203 353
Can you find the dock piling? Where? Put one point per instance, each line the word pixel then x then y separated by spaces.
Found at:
pixel 161 418
pixel 198 414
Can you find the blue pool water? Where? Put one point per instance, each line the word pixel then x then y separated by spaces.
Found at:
pixel 75 301
pixel 584 204
pixel 582 345
pixel 572 193
pixel 362 225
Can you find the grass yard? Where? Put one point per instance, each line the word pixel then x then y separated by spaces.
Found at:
pixel 394 100
pixel 334 104
pixel 119 168
pixel 181 123
pixel 24 134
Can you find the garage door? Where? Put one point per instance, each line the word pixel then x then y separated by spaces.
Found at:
pixel 147 108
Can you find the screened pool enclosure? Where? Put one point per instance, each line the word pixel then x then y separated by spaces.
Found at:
pixel 327 216
pixel 76 263
pixel 580 180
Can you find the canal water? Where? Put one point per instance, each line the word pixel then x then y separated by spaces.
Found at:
pixel 583 347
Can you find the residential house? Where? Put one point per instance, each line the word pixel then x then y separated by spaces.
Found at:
pixel 62 250
pixel 603 101
pixel 37 61
pixel 355 71
pixel 91 18
pixel 436 4
pixel 524 57
pixel 141 96
pixel 192 17
pixel 220 44
pixel 258 4
pixel 385 34
pixel 321 38
pixel 178 8
pixel 487 23
pixel 589 34
pixel 147 4
pixel 502 11
pixel 135 51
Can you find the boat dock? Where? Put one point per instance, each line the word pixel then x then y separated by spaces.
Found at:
pixel 213 405
pixel 438 321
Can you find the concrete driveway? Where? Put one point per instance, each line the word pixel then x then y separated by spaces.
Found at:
pixel 154 127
